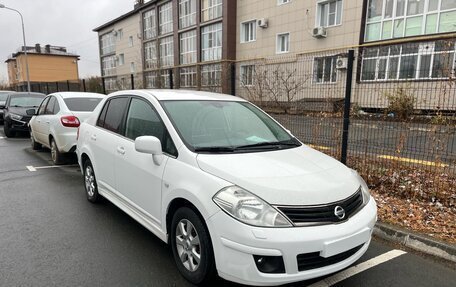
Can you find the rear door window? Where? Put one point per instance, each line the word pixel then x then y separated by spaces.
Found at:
pixel 50 106
pixel 82 104
pixel 42 108
pixel 114 115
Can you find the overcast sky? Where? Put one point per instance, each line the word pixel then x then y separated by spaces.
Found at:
pixel 67 23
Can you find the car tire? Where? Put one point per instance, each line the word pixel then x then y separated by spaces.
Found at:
pixel 186 225
pixel 56 155
pixel 7 130
pixel 90 183
pixel 33 143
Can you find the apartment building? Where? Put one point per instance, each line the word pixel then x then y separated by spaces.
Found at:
pixel 190 39
pixel 213 44
pixel 48 64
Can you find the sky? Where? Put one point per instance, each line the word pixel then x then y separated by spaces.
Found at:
pixel 67 23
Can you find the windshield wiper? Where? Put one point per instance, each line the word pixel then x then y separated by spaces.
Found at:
pixel 269 144
pixel 214 149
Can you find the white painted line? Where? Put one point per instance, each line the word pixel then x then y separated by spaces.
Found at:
pixel 1 138
pixel 358 268
pixel 30 168
pixel 35 168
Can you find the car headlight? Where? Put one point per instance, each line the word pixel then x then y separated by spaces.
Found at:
pixel 248 208
pixel 15 117
pixel 364 187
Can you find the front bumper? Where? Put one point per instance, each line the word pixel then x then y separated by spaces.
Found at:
pixel 20 125
pixel 235 244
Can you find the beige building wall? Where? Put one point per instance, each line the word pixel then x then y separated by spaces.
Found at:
pixel 43 68
pixel 298 17
pixel 131 27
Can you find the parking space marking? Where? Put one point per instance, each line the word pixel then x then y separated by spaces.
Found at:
pixel 35 168
pixel 1 138
pixel 410 160
pixel 329 281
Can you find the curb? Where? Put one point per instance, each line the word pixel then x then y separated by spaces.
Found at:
pixel 416 241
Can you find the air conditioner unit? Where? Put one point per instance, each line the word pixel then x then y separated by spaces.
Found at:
pixel 319 32
pixel 342 63
pixel 263 23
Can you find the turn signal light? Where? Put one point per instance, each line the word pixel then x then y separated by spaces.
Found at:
pixel 70 121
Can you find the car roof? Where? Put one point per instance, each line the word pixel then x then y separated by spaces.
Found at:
pixel 66 95
pixel 27 93
pixel 7 92
pixel 170 95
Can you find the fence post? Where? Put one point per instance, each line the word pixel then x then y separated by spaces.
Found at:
pixel 171 80
pixel 47 88
pixel 103 85
pixel 132 79
pixel 57 86
pixel 347 106
pixel 84 85
pixel 233 79
pixel 68 85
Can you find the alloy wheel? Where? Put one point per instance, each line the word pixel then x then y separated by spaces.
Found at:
pixel 188 245
pixel 89 181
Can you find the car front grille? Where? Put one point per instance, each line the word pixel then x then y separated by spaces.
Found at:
pixel 323 214
pixel 309 261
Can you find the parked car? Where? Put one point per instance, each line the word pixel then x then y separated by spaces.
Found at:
pixel 56 122
pixel 224 184
pixel 18 111
pixel 3 97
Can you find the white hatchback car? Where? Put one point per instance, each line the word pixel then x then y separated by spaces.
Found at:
pixel 226 186
pixel 57 119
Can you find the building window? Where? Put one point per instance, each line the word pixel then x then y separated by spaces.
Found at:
pixel 187 13
pixel 329 13
pixel 188 47
pixel 132 67
pixel 150 24
pixel 188 77
pixel 432 60
pixel 283 43
pixel 121 59
pixel 119 34
pixel 108 66
pixel 165 18
pixel 211 42
pixel 247 75
pixel 130 41
pixel 166 52
pixel 248 31
pixel 388 19
pixel 150 55
pixel 280 2
pixel 325 69
pixel 211 75
pixel 110 84
pixel 150 80
pixel 211 9
pixel 165 79
pixel 107 43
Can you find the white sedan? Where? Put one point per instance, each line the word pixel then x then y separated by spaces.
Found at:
pixel 56 122
pixel 231 190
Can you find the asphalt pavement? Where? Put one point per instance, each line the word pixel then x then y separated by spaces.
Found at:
pixel 50 235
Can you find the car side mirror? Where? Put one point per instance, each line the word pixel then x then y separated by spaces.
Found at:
pixel 30 112
pixel 2 107
pixel 150 145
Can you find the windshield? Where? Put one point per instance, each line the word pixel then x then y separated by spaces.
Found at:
pixel 226 126
pixel 82 104
pixel 26 100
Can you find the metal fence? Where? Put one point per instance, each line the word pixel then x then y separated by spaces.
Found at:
pixel 386 105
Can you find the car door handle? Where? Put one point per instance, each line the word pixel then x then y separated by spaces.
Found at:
pixel 93 137
pixel 121 150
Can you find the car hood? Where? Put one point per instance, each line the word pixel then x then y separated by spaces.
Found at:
pixel 22 111
pixel 297 176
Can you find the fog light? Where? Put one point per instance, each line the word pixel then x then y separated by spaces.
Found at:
pixel 269 264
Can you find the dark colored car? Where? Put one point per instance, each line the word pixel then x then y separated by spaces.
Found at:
pixel 3 97
pixel 19 109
